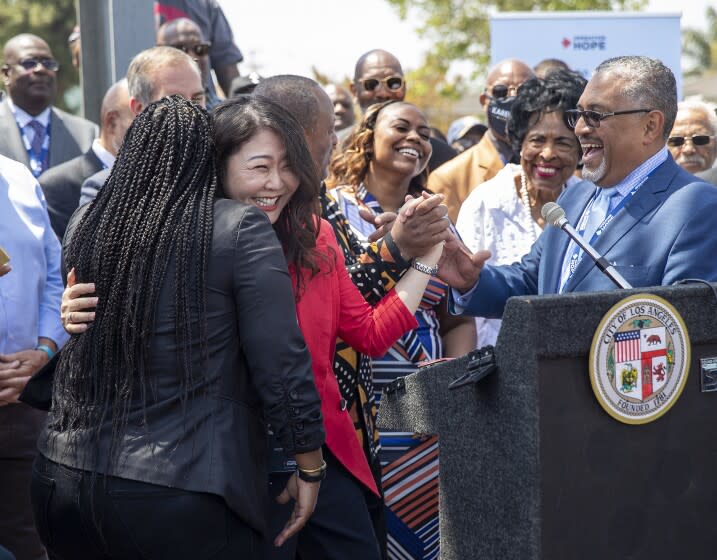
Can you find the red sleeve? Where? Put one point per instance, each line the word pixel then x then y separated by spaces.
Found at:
pixel 369 330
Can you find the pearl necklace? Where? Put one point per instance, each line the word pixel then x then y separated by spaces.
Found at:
pixel 526 202
pixel 524 191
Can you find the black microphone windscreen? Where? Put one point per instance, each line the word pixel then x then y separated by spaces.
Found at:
pixel 552 213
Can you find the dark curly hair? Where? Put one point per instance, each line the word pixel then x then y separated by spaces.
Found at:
pixel 235 122
pixel 350 166
pixel 559 91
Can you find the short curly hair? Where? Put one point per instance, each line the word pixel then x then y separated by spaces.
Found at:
pixel 558 91
pixel 350 166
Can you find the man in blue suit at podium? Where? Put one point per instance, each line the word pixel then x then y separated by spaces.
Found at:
pixel 651 220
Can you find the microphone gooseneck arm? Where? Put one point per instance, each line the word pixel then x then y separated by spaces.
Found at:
pixel 555 215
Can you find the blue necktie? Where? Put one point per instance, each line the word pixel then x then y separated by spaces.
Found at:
pixel 39 138
pixel 598 212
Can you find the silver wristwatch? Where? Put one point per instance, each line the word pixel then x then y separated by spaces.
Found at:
pixel 420 267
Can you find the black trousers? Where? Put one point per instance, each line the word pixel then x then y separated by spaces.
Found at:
pixel 19 427
pixel 340 527
pixel 79 518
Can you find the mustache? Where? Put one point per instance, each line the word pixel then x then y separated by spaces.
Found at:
pixel 691 159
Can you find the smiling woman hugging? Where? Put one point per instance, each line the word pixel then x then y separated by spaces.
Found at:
pixel 502 215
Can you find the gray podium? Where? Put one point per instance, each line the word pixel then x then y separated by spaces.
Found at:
pixel 532 468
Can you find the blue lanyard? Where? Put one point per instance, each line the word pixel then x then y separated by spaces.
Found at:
pixel 577 254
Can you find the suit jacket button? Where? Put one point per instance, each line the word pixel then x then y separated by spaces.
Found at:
pixel 294 395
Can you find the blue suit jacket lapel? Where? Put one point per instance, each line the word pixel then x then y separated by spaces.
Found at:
pixel 573 202
pixel 647 198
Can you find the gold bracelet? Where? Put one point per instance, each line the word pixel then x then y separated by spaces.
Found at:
pixel 313 471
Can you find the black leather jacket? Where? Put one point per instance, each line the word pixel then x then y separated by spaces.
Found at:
pixel 259 370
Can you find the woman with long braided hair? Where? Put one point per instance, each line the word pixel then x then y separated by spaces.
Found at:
pixel 155 441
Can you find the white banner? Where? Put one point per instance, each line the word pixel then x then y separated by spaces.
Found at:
pixel 584 39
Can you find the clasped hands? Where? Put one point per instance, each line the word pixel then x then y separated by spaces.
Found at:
pixel 418 226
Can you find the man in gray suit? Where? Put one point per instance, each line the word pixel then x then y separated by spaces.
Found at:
pixel 32 131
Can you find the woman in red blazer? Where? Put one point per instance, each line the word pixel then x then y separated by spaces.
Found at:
pixel 263 160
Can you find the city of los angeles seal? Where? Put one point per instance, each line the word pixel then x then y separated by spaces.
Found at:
pixel 639 359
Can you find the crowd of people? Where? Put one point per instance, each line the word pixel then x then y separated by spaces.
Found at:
pixel 211 291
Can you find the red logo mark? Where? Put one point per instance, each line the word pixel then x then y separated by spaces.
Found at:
pixel 565 42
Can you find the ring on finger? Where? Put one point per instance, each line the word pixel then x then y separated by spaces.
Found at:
pixel 69 317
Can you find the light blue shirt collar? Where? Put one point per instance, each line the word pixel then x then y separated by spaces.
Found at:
pixel 638 175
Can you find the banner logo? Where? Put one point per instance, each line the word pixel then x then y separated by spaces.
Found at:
pixel 639 359
pixel 585 43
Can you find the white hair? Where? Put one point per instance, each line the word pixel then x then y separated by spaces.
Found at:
pixel 708 109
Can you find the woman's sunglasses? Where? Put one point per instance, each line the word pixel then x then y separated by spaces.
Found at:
pixel 393 83
pixel 697 140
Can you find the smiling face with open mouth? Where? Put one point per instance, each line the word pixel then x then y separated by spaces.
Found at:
pixel 259 174
pixel 401 141
pixel 619 143
pixel 549 153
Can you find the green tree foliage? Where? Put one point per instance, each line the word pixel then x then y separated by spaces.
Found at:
pixel 52 20
pixel 700 47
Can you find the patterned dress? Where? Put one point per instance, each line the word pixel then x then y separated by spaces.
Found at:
pixel 374 269
pixel 409 462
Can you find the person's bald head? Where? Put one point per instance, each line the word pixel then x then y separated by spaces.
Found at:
pixel 309 104
pixel 184 34
pixel 378 77
pixel 115 116
pixel 32 89
pixel 508 75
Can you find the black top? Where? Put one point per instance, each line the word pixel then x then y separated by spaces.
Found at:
pixel 258 360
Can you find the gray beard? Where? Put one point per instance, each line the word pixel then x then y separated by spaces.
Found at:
pixel 594 175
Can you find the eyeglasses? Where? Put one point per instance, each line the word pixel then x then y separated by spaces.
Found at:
pixel 499 91
pixel 593 118
pixel 198 49
pixel 696 139
pixel 394 83
pixel 48 63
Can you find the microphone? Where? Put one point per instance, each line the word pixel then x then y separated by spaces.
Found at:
pixel 555 215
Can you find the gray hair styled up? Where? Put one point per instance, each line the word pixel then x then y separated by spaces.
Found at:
pixel 142 69
pixel 648 82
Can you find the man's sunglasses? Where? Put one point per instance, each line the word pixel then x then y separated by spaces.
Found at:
pixel 697 140
pixel 501 91
pixel 199 49
pixel 48 63
pixel 593 118
pixel 394 83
